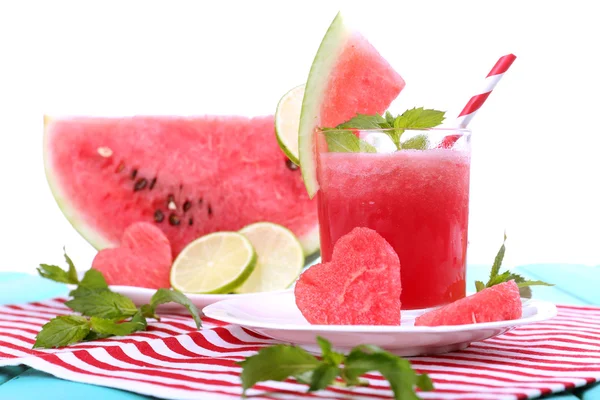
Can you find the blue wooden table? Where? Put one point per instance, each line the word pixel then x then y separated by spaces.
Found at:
pixel 575 284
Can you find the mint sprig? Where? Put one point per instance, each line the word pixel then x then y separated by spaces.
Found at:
pixel 496 277
pixel 281 361
pixel 104 313
pixel 341 139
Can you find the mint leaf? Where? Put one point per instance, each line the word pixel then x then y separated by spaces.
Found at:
pixel 479 286
pixel 396 370
pixel 533 283
pixel 525 285
pixel 389 119
pixel 55 273
pixel 346 142
pixel 94 336
pixel 163 296
pixel 103 304
pixel 107 327
pixel 149 312
pixel 418 142
pixel 323 376
pixel 276 363
pixel 498 260
pixel 62 331
pixel 328 354
pixel 415 118
pixel 92 281
pixel 362 121
pixel 72 273
pixel 419 118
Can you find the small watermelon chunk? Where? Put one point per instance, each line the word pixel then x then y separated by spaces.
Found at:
pixel 143 260
pixel 360 286
pixel 500 302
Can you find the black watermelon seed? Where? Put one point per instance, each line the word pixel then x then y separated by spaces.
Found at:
pixel 200 201
pixel 159 216
pixel 187 205
pixel 191 221
pixel 152 183
pixel 291 165
pixel 174 220
pixel 140 184
pixel 120 167
pixel 209 210
pixel 133 174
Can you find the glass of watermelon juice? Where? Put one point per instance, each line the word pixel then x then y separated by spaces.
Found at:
pixel 417 199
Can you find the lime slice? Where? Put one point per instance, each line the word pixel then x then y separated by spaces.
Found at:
pixel 280 258
pixel 316 85
pixel 287 121
pixel 215 263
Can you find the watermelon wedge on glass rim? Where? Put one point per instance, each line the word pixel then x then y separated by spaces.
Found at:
pixel 189 176
pixel 348 76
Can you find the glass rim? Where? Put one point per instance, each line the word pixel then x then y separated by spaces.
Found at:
pixel 464 131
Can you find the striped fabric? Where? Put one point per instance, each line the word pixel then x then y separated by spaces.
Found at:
pixel 173 360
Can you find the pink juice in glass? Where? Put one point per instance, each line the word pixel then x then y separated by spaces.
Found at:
pixel 418 200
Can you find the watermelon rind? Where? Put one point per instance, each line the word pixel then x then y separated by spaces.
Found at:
pixel 325 60
pixel 69 211
pixel 311 243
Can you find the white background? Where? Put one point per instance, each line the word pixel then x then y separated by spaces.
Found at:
pixel 536 141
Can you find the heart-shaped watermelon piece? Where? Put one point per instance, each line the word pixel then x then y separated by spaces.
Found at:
pixel 144 258
pixel 359 286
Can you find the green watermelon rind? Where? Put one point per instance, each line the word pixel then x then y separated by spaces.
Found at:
pixel 309 241
pixel 324 62
pixel 69 211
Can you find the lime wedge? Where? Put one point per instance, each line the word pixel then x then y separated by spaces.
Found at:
pixel 215 263
pixel 280 258
pixel 287 121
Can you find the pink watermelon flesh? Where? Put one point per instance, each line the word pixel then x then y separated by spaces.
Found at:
pixel 144 258
pixel 189 176
pixel 500 302
pixel 362 82
pixel 360 286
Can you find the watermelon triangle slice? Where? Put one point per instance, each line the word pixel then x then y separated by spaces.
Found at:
pixel 347 77
pixel 501 302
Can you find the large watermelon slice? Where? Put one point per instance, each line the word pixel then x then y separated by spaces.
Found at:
pixel 187 175
pixel 501 302
pixel 348 77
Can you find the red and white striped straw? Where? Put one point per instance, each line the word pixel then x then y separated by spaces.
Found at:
pixel 491 80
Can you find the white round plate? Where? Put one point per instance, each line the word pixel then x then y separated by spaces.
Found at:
pixel 276 315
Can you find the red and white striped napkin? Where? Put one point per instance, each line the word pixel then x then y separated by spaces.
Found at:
pixel 172 360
